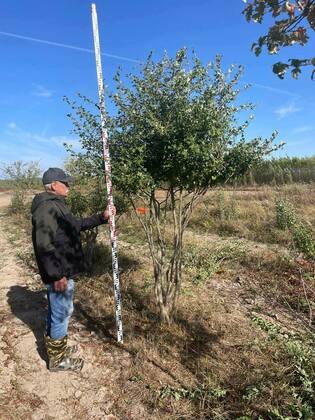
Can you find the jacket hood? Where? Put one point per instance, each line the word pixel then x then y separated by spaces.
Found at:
pixel 42 197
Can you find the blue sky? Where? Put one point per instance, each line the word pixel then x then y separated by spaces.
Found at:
pixel 34 76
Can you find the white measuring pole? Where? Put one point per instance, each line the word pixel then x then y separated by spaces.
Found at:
pixel 108 174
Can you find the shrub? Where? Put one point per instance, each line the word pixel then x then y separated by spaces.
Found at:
pixel 202 262
pixel 24 176
pixel 301 232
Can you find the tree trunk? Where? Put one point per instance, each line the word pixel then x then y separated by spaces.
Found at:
pixel 167 269
pixel 90 244
pixel 167 283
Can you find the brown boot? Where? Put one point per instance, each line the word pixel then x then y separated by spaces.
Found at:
pixel 58 356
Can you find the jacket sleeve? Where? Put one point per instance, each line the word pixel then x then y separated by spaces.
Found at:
pixel 45 232
pixel 90 222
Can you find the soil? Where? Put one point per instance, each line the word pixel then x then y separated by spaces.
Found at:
pixel 102 390
pixel 27 389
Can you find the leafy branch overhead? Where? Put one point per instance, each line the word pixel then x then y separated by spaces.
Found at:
pixel 293 23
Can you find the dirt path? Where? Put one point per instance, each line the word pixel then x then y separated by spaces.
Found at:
pixel 27 389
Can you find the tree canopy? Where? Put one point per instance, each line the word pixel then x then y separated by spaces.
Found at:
pixel 177 132
pixel 293 22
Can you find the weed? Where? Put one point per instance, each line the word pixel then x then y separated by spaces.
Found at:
pixel 200 392
pixel 285 215
pixel 251 393
pixel 226 209
pixel 202 262
pixel 300 355
pixel 17 202
pixel 302 235
pixel 304 412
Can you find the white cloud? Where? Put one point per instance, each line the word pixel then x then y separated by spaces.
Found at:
pixel 42 92
pixel 286 110
pixel 299 143
pixel 303 129
pixel 13 130
pixel 27 145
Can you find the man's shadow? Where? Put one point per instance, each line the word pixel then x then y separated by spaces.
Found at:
pixel 31 308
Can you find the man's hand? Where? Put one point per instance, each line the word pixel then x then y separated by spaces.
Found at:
pixel 106 213
pixel 60 285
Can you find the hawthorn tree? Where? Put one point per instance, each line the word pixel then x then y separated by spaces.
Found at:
pixel 296 22
pixel 175 135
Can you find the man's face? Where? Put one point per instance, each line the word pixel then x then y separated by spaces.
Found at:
pixel 61 188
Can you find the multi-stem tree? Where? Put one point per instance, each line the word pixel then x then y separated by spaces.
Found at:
pixel 175 134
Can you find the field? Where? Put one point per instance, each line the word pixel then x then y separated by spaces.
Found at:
pixel 242 342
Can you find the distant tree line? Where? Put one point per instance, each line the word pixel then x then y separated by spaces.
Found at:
pixel 281 171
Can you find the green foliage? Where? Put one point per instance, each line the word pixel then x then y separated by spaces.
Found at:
pixel 201 392
pixel 226 209
pixel 300 355
pixel 176 130
pixel 303 239
pixel 281 171
pixel 303 412
pixel 285 215
pixel 23 174
pixel 18 202
pixel 302 234
pixel 77 202
pixel 251 393
pixel 175 124
pixel 201 263
pixel 287 29
pixel 24 177
pixel 88 196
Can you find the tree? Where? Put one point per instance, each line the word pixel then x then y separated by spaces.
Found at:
pixel 174 136
pixel 24 177
pixel 291 28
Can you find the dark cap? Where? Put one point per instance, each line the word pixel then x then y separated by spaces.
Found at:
pixel 55 174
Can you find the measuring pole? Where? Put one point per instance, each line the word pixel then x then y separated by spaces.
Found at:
pixel 108 174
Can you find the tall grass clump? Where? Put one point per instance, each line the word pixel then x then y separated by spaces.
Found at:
pixel 301 232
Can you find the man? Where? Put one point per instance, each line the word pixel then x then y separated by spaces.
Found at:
pixel 59 255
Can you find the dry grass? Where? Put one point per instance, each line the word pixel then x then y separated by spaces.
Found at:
pixel 213 362
pixel 250 213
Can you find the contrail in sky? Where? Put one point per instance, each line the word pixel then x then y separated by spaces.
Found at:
pixel 71 47
pixel 272 89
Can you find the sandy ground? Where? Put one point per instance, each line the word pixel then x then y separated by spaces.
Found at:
pixel 27 389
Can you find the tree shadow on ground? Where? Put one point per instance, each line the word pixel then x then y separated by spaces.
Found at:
pixel 103 326
pixel 101 261
pixel 188 338
pixel 30 307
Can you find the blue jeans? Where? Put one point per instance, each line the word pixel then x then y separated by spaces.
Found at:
pixel 60 308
